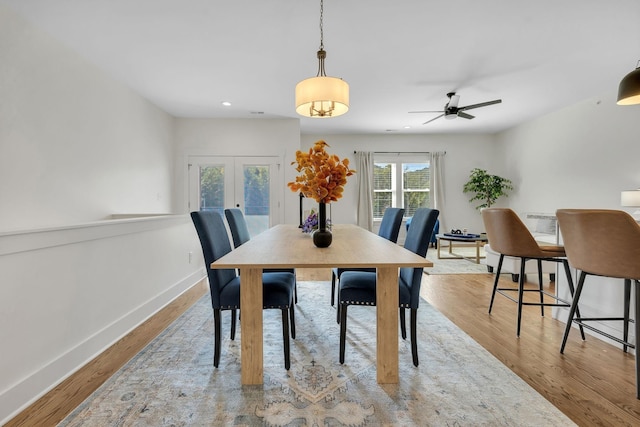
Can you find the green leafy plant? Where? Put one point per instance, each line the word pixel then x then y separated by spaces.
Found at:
pixel 487 188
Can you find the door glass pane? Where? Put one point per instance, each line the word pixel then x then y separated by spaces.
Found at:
pixel 256 197
pixel 212 188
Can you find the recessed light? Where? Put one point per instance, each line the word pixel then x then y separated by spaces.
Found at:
pixel 407 127
pixel 226 103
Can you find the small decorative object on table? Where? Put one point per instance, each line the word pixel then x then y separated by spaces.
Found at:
pixel 322 177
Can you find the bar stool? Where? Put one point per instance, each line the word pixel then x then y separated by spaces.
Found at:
pixel 602 242
pixel 509 236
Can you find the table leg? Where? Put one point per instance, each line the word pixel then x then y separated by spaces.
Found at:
pixel 387 301
pixel 439 245
pixel 251 352
pixel 477 252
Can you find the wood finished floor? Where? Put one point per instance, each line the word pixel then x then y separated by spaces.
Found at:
pixel 593 383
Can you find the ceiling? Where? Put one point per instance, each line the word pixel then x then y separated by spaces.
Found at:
pixel 188 56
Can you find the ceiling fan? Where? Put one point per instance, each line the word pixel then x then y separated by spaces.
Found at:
pixel 451 109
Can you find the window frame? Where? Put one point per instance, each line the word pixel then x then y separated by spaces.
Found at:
pixel 397 184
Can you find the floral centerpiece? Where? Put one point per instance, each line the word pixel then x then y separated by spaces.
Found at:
pixel 322 177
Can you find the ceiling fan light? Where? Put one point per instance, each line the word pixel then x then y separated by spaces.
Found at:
pixel 322 97
pixel 450 116
pixel 629 89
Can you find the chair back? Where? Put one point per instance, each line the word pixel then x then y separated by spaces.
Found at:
pixel 391 222
pixel 508 235
pixel 602 242
pixel 238 226
pixel 417 241
pixel 215 244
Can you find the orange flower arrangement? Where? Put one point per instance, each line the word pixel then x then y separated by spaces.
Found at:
pixel 322 175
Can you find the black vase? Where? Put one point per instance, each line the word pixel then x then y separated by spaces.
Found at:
pixel 322 238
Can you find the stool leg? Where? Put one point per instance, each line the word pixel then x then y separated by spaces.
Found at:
pixel 572 311
pixel 540 283
pixel 520 295
pixel 637 328
pixel 495 282
pixel 627 301
pixel 567 271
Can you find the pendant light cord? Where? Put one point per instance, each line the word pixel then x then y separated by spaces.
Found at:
pixel 321 53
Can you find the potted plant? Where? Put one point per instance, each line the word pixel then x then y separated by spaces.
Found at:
pixel 486 188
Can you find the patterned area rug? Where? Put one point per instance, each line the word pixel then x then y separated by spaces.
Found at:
pixel 172 382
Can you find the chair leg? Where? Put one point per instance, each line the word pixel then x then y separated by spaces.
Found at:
pixel 572 310
pixel 333 287
pixel 567 271
pixel 292 321
pixel 637 332
pixel 495 282
pixel 403 324
pixel 520 295
pixel 216 337
pixel 541 287
pixel 627 301
pixel 343 330
pixel 414 335
pixel 233 324
pixel 285 337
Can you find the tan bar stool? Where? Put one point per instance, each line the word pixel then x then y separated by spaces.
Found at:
pixel 509 236
pixel 606 243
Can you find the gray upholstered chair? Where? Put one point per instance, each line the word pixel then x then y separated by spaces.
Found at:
pixel 359 287
pixel 510 237
pixel 224 284
pixel 389 229
pixel 606 243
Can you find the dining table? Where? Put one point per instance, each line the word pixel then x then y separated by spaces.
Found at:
pixel 286 246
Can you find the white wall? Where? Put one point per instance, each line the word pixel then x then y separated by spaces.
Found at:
pixel 464 152
pixel 580 157
pixel 75 146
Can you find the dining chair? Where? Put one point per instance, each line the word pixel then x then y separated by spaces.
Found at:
pixel 510 237
pixel 605 243
pixel 389 229
pixel 224 284
pixel 240 234
pixel 359 287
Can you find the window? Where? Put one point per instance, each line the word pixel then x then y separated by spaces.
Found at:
pixel 400 181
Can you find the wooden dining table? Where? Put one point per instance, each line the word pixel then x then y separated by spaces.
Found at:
pixel 285 246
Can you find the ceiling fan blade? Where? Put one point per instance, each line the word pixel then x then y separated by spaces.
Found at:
pixel 435 118
pixel 439 111
pixel 465 115
pixel 482 104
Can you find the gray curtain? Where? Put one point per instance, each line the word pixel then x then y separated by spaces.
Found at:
pixel 364 168
pixel 436 189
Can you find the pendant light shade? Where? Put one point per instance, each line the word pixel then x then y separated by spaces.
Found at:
pixel 322 96
pixel 629 89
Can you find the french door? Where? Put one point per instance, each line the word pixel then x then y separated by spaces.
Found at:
pixel 247 183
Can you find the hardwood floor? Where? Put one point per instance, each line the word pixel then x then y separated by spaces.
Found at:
pixel 593 383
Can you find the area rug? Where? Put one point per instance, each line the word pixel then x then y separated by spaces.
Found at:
pixel 450 265
pixel 172 382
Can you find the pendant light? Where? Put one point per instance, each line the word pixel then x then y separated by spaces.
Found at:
pixel 322 96
pixel 629 89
